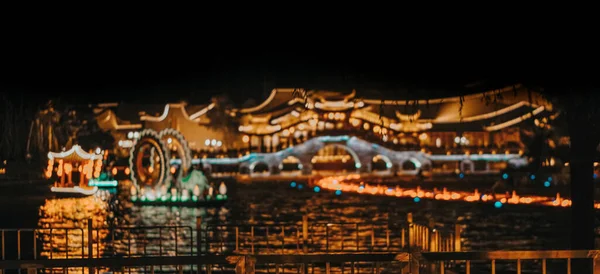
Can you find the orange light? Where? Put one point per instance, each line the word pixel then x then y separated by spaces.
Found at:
pixel 127 171
pixel 114 171
pixel 246 139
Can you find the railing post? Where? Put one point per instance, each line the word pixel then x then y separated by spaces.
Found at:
pixel 90 244
pixel 410 231
pixel 198 241
pixel 457 230
pixel 198 235
pixel 305 233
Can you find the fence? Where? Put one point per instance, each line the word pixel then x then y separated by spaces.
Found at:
pixel 304 237
pixel 355 263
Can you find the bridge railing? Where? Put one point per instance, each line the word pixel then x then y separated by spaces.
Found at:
pixel 367 263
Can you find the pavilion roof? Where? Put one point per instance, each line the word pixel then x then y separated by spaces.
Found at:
pixel 75 154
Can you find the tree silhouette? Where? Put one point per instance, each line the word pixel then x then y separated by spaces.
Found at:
pixel 221 119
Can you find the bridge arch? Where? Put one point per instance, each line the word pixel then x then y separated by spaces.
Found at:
pixel 259 166
pixel 378 159
pixel 410 166
pixel 467 166
pixel 353 155
pixel 290 163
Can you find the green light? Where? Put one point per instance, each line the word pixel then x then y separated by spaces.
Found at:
pixel 173 198
pixel 111 183
pixel 194 198
pixel 164 198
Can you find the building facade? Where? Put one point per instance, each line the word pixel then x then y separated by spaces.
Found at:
pixel 475 133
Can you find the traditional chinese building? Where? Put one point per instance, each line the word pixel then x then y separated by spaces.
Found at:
pixel 448 131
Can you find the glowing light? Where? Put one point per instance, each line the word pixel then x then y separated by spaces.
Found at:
pixel 461 175
pixel 417 199
pixel 532 177
pixel 169 141
pixel 357 165
pixel 366 126
pixel 317 189
pixel 213 142
pixel 547 184
pixel 111 183
pixel 130 135
pixel 338 192
pixel 300 186
pixel 293 184
pixel 127 171
pixel 423 136
pixel 505 176
pixel 219 143
pixel 207 141
pixel 498 204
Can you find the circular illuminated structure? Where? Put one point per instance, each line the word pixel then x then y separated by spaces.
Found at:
pixel 178 147
pixel 149 161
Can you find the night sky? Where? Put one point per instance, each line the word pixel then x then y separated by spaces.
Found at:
pixel 124 73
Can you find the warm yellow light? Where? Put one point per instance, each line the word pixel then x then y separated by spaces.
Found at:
pixel 127 171
pixel 313 122
pixel 246 139
pixel 342 116
pixel 337 116
pixel 331 115
pixel 376 129
pixel 114 171
pixel 173 170
pixel 366 126
pixel 423 136
pixel 150 169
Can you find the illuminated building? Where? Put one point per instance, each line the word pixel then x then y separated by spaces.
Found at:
pixel 73 169
pixel 305 129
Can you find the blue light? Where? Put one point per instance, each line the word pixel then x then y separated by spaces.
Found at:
pixel 338 192
pixel 300 186
pixel 498 204
pixel 505 176
pixel 547 184
pixel 361 187
pixel 417 199
pixel 595 175
pixel 293 184
pixel 532 176
pixel 317 189
pixel 461 175
pixel 549 179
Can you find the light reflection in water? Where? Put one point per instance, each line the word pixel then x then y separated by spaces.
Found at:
pixel 63 226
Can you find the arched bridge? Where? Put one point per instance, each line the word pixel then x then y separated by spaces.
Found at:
pixel 360 150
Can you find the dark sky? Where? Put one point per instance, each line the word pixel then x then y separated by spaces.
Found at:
pixel 160 74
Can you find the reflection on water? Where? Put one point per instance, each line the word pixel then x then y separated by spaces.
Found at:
pixel 129 229
pixel 63 226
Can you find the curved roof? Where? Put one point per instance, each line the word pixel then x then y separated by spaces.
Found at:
pixel 75 154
